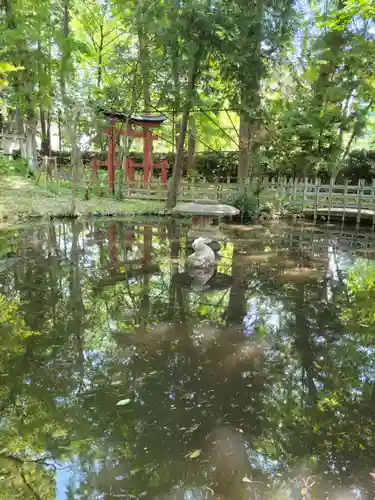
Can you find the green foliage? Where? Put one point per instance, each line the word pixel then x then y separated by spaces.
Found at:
pixel 299 81
pixel 247 204
pixel 360 164
pixel 10 166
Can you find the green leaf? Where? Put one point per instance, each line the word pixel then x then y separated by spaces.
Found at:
pixel 124 402
pixel 195 454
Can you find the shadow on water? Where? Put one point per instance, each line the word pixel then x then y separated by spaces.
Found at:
pixel 124 375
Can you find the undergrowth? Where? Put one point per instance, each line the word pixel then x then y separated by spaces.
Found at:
pixel 10 166
pixel 251 206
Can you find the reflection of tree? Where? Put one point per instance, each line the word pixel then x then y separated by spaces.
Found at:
pixel 76 302
pixel 299 405
pixel 236 306
pixel 21 474
pixel 147 256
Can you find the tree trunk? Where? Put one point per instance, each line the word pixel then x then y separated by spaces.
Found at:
pixel 176 76
pixel 250 94
pixel 59 128
pixel 71 116
pixel 243 161
pixel 44 91
pixel 304 345
pixel 76 163
pixel 20 131
pixel 237 299
pixel 144 60
pixel 191 144
pixel 76 301
pixel 100 57
pixel 31 147
pixel 177 168
pixel 45 125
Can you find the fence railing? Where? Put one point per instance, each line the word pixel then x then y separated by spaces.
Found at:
pixel 308 196
pixel 331 200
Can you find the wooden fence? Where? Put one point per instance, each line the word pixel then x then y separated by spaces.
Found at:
pixel 307 196
pixel 329 200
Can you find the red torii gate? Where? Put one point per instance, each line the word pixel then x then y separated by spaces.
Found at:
pixel 137 126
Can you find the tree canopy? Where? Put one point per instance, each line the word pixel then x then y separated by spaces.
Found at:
pixel 287 84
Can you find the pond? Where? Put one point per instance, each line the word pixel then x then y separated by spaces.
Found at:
pixel 124 376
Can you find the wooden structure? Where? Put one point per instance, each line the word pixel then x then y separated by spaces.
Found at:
pixel 141 126
pixel 49 168
pixel 306 196
pixel 13 137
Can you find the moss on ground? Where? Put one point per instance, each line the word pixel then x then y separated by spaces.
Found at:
pixel 21 199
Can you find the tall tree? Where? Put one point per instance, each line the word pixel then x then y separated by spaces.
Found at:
pixel 260 28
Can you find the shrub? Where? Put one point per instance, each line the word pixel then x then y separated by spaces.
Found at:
pixel 360 164
pixel 246 205
pixel 8 165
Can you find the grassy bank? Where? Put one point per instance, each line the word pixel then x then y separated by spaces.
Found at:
pixel 21 199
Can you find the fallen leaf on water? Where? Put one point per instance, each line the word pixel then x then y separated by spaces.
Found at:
pixel 134 471
pixel 247 480
pixel 194 428
pixel 123 402
pixel 195 454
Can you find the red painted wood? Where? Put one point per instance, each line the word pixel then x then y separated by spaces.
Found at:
pixel 133 133
pixel 147 158
pixel 147 165
pixel 111 177
pixel 164 171
pixel 129 170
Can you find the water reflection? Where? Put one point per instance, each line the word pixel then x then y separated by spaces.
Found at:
pixel 123 376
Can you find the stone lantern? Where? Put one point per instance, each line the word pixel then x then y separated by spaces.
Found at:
pixel 206 215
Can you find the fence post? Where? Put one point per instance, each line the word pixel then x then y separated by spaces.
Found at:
pixel 317 185
pixel 217 187
pixel 361 183
pixel 331 185
pixel 305 183
pixel 283 181
pixel 294 193
pixel 345 196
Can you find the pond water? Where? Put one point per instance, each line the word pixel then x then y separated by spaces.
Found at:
pixel 124 376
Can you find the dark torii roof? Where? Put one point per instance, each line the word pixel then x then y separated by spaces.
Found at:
pixel 132 118
pixel 147 118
